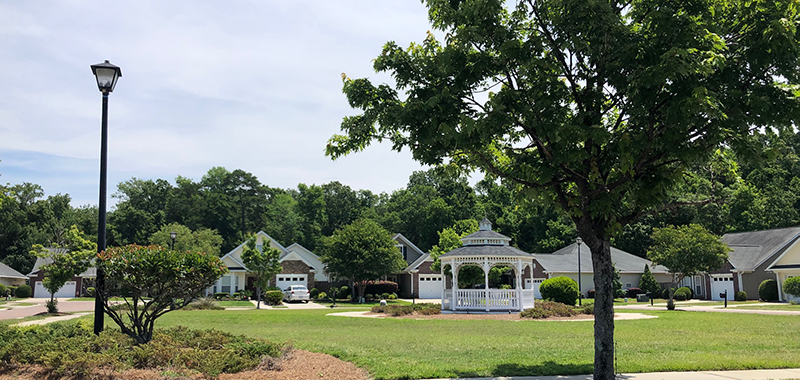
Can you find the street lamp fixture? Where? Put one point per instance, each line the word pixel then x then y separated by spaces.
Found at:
pixel 579 241
pixel 172 235
pixel 107 76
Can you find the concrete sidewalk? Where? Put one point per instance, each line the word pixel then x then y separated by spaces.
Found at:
pixel 792 373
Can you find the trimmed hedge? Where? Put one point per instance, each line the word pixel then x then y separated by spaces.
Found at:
pixel 344 292
pixel 400 310
pixel 792 286
pixel 768 290
pixel 633 292
pixel 274 297
pixel 683 294
pixel 380 287
pixel 313 293
pixel 23 291
pixel 740 296
pixel 546 309
pixel 560 289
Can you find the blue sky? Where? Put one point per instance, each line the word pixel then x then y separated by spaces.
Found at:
pixel 254 85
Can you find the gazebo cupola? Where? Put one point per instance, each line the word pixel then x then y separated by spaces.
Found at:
pixel 485 249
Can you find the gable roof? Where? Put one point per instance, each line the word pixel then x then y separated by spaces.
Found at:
pixel 751 249
pixel 487 250
pixel 566 260
pixel 239 247
pixel 418 262
pixel 408 243
pixel 9 272
pixel 90 272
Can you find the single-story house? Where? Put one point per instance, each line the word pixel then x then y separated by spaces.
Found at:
pixel 564 262
pixel 417 278
pixel 787 263
pixel 754 259
pixel 72 288
pixel 10 277
pixel 300 267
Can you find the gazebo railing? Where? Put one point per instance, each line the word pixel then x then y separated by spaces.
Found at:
pixel 495 299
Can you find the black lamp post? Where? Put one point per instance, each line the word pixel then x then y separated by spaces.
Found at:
pixel 172 235
pixel 106 75
pixel 580 291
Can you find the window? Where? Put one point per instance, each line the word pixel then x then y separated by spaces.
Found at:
pixel 226 284
pixel 628 285
pixel 259 246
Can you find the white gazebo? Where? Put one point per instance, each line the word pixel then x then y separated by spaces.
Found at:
pixel 486 249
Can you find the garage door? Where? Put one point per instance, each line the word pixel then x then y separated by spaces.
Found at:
pixel 430 286
pixel 284 280
pixel 536 283
pixel 66 291
pixel 719 285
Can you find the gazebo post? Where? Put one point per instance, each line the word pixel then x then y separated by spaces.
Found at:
pixel 519 280
pixel 444 281
pixel 486 269
pixel 454 268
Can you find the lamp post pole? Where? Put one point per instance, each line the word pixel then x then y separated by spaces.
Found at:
pixel 580 290
pixel 172 235
pixel 106 75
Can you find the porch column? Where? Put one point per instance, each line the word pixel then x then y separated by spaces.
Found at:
pixel 741 287
pixel 486 270
pixel 780 291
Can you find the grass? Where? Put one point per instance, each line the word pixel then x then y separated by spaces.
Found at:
pixel 772 307
pixel 92 299
pixel 411 349
pixel 235 304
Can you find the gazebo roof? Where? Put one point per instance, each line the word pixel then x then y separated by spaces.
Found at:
pixel 488 250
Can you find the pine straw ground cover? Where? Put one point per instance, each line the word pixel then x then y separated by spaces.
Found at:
pixel 72 350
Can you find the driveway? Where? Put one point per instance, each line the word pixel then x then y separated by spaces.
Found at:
pixel 15 312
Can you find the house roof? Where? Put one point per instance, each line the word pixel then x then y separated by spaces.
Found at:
pixel 566 260
pixel 9 272
pixel 408 243
pixel 91 272
pixel 418 262
pixel 751 249
pixel 486 234
pixel 487 250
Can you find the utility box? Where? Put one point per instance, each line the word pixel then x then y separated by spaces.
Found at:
pixel 642 298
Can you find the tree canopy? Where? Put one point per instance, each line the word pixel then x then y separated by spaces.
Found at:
pixel 600 106
pixel 64 261
pixel 686 251
pixel 202 240
pixel 263 263
pixel 361 251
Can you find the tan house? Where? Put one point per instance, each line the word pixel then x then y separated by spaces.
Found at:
pixel 10 277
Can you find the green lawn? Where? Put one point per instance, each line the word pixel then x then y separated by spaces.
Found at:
pixel 412 349
pixel 784 306
pixel 235 304
pixel 92 299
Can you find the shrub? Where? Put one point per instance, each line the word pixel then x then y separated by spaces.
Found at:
pixel 633 292
pixel 2 290
pixel 560 289
pixel 206 303
pixel 590 294
pixel 369 297
pixel 380 287
pixel 505 286
pixel 393 296
pixel 274 297
pixel 768 290
pixel 385 296
pixel 343 292
pixel 545 309
pixel 400 310
pixel 72 351
pixel 221 295
pixel 52 306
pixel 322 295
pixel 792 286
pixel 682 294
pixel 313 293
pixel 665 294
pixel 740 296
pixel 90 291
pixel 271 288
pixel 23 291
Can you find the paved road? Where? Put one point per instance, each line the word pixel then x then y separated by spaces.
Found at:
pixel 63 305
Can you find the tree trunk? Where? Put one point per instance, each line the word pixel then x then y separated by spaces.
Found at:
pixel 258 294
pixel 603 307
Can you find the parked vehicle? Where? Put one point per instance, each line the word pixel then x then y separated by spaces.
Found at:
pixel 296 293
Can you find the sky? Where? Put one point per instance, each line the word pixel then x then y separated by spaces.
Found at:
pixel 252 85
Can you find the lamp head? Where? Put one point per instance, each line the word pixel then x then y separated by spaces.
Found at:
pixel 106 75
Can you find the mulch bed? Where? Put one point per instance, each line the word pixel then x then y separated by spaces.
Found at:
pixel 299 365
pixel 499 317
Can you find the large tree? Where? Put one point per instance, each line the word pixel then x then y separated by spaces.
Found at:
pixel 599 105
pixel 686 251
pixel 202 240
pixel 361 251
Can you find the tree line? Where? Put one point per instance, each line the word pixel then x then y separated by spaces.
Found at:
pixel 215 213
